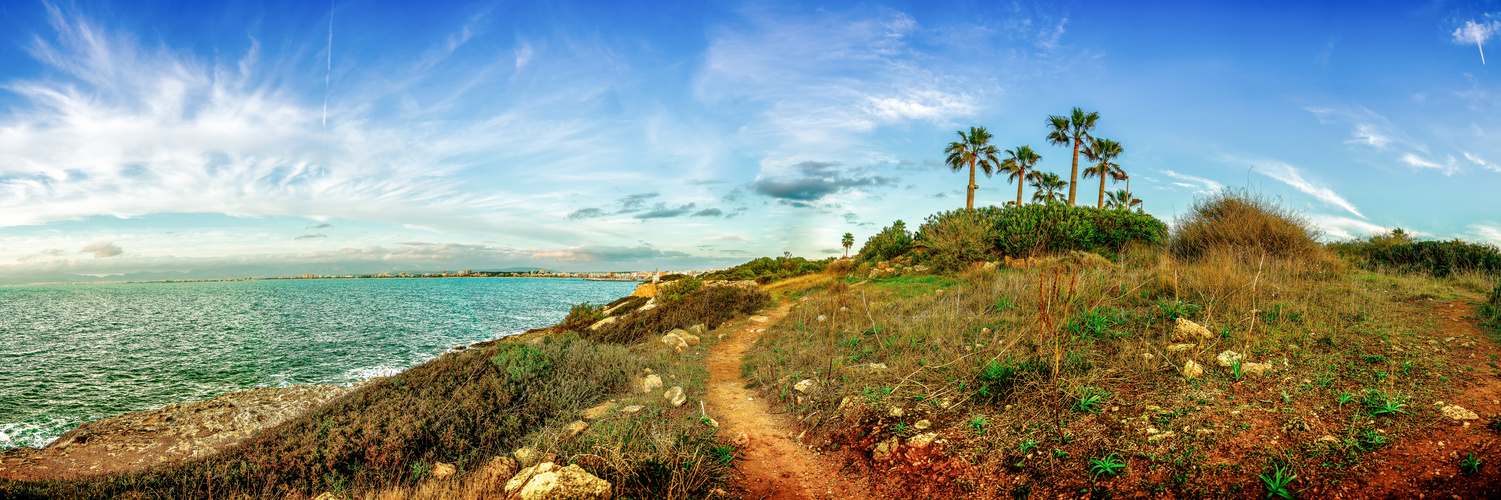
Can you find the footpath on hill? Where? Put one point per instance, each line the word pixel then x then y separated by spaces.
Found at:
pixel 776 465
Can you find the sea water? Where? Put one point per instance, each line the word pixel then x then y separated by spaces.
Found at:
pixel 71 354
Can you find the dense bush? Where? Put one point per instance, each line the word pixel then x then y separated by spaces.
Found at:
pixel 765 269
pixel 709 305
pixel 892 241
pixel 462 409
pixel 956 240
pixel 581 316
pixel 1395 250
pixel 1036 228
pixel 1239 220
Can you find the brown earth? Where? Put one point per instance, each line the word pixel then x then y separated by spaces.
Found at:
pixel 171 433
pixel 776 465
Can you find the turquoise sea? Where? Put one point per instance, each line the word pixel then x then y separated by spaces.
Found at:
pixel 77 353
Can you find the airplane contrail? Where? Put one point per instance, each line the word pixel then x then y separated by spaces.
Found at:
pixel 330 72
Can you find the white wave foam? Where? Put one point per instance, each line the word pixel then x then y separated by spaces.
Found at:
pixel 357 374
pixel 32 434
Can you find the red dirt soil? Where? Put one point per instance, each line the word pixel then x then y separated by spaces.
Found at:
pixel 776 466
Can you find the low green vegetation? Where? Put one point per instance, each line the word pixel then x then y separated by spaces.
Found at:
pixel 766 269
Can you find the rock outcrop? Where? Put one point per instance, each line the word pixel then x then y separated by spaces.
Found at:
pixel 548 481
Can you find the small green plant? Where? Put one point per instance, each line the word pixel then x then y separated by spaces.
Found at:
pixel 724 454
pixel 1059 454
pixel 1470 464
pixel 1380 403
pixel 1276 481
pixel 1004 304
pixel 1171 311
pixel 979 424
pixel 1235 368
pixel 1345 398
pixel 1028 445
pixel 1369 439
pixel 1091 399
pixel 1109 465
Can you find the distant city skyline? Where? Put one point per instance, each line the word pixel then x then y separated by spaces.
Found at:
pixel 282 138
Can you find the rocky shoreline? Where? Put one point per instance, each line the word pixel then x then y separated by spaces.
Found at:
pixel 170 433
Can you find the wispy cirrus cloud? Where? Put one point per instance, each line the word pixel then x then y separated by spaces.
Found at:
pixel 1197 184
pixel 1295 177
pixel 1447 168
pixel 1481 162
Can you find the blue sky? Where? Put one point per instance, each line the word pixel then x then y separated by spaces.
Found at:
pixel 249 138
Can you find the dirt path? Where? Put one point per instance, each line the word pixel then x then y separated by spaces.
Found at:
pixel 776 466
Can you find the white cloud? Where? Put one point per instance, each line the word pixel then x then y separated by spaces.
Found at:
pixel 1292 176
pixel 1476 33
pixel 1480 162
pixel 523 54
pixel 1344 228
pixel 1449 168
pixel 1488 232
pixel 1199 184
pixel 1369 135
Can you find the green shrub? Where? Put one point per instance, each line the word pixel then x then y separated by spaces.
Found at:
pixel 583 315
pixel 765 269
pixel 1237 220
pixel 520 362
pixel 676 290
pixel 1439 258
pixel 1038 228
pixel 954 240
pixel 892 241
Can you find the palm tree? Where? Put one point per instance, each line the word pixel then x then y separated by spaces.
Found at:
pixel 1101 151
pixel 1019 167
pixel 1049 188
pixel 972 150
pixel 848 241
pixel 1072 129
pixel 1121 200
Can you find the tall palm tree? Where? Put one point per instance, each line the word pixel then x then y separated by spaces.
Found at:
pixel 1072 129
pixel 1101 151
pixel 1019 167
pixel 1049 188
pixel 848 241
pixel 972 150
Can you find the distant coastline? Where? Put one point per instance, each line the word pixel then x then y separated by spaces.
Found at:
pixel 635 276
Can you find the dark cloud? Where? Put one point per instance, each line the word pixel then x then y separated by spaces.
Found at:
pixel 831 250
pixel 103 249
pixel 310 236
pixel 634 202
pixel 734 195
pixel 324 225
pixel 586 213
pixel 709 212
pixel 734 252
pixel 814 181
pixel 662 211
pixel 851 217
pixel 736 212
pixel 931 162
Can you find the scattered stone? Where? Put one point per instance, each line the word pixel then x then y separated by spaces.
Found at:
pixel 742 441
pixel 650 304
pixel 867 368
pixel 1180 347
pixel 1255 368
pixel 939 292
pixel 1229 358
pixel 922 424
pixel 1184 329
pixel 675 341
pixel 897 411
pixel 922 440
pixel 601 323
pixel 984 330
pixel 443 471
pixel 652 382
pixel 1192 370
pixel 574 429
pixel 1161 436
pixel 1147 356
pixel 760 319
pixel 327 496
pixel 1328 439
pixel 990 266
pixel 1457 412
pixel 885 449
pixel 689 338
pixel 599 411
pixel 528 456
pixel 822 318
pixel 843 309
pixel 630 409
pixel 805 385
pixel 549 481
pixel 675 396
pixel 698 329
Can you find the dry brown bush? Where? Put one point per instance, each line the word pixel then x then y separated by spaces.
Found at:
pixel 1239 220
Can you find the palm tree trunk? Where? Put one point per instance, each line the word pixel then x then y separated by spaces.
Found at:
pixel 1102 190
pixel 1073 177
pixel 1021 180
pixel 969 201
